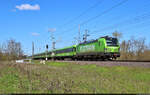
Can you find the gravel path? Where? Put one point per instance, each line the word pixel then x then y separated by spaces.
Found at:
pixel 111 63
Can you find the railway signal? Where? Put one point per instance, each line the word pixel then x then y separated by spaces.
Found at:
pixel 46 52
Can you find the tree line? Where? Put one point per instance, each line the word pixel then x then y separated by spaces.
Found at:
pixel 134 48
pixel 11 50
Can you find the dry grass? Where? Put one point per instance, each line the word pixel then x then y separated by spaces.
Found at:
pixel 72 78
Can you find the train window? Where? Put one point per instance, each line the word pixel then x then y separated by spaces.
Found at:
pixel 112 42
pixel 65 50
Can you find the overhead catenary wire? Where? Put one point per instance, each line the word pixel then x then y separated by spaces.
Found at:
pixel 138 25
pixel 101 14
pixel 104 12
pixel 83 13
pixel 133 20
pixel 127 22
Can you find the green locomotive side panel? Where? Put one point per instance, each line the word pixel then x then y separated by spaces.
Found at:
pixel 66 54
pixel 97 46
pixel 102 45
pixel 86 48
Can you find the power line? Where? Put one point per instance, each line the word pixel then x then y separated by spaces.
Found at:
pixel 136 19
pixel 104 12
pixel 83 13
pixel 101 14
pixel 136 25
pixel 127 22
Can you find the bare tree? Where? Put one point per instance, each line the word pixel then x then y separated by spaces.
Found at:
pixel 134 49
pixel 1 54
pixel 14 49
pixel 125 50
pixel 11 50
pixel 139 47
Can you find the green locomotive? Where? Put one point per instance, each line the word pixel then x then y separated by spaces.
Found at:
pixel 102 48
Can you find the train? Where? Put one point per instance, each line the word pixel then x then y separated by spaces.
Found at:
pixel 103 48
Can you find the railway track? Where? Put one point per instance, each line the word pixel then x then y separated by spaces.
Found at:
pixel 132 63
pixel 145 61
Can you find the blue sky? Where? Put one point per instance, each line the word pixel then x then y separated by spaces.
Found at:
pixel 29 20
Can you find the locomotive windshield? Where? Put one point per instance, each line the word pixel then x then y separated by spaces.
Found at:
pixel 112 41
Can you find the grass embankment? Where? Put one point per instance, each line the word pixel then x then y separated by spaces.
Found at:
pixel 54 77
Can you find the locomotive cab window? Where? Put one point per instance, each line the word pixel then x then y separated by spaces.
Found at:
pixel 111 41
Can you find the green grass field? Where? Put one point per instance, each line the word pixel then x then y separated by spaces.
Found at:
pixel 54 77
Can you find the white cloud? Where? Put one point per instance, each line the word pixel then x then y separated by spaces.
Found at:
pixel 28 7
pixel 35 34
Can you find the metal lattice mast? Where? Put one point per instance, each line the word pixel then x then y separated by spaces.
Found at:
pixel 79 39
pixel 32 50
pixel 85 35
